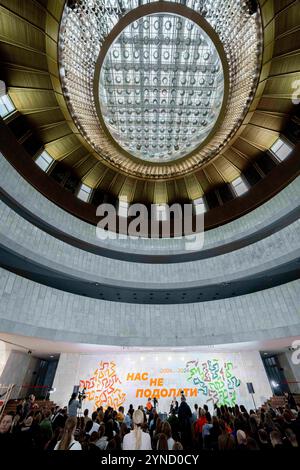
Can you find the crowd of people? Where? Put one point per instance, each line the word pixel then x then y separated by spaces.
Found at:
pixel 197 429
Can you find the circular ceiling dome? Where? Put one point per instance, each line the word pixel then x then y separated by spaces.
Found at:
pixel 161 87
pixel 141 145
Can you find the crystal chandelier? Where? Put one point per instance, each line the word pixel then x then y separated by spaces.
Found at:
pixel 155 131
pixel 161 87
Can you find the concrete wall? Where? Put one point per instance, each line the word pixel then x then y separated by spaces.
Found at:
pixel 27 240
pixel 35 202
pixel 32 309
pixel 18 370
pixel 4 354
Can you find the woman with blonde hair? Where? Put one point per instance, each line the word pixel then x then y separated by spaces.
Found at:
pixel 137 439
pixel 67 441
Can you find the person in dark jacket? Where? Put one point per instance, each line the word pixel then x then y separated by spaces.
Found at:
pixel 185 417
pixel 59 419
pixel 290 401
pixel 6 438
pixel 29 405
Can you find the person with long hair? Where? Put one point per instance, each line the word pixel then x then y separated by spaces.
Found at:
pixel 137 439
pixel 162 443
pixel 291 438
pixel 67 441
pixel 167 431
pixel 73 405
pixel 225 439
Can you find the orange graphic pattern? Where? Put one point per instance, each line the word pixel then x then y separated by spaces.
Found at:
pixel 103 388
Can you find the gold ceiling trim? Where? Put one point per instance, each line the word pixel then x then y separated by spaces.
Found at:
pixel 171 168
pixel 109 154
pixel 230 162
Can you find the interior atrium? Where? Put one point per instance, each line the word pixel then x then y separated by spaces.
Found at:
pixel 149 236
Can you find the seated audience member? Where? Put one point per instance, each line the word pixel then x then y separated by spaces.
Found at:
pixel 131 410
pixel 214 434
pixel 137 439
pixel 290 401
pixel 174 423
pixel 17 419
pixel 128 420
pixel 263 441
pixel 200 421
pixel 276 440
pixel 67 441
pixel 162 442
pixel 88 428
pixel 123 430
pixel 252 444
pixel 60 419
pixel 225 440
pixel 102 441
pixel 177 446
pixel 6 438
pixel 86 417
pixel 29 405
pixel 53 413
pixel 291 438
pixel 109 430
pixel 57 433
pixel 27 422
pixel 95 426
pixel 45 427
pixel 92 445
pixel 120 415
pixel 167 431
pixel 116 424
pixel 206 431
pixel 241 439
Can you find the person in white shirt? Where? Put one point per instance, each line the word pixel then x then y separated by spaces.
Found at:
pixel 137 439
pixel 67 441
pixel 195 413
pixel 95 427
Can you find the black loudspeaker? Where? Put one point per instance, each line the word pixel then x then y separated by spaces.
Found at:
pixel 250 387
